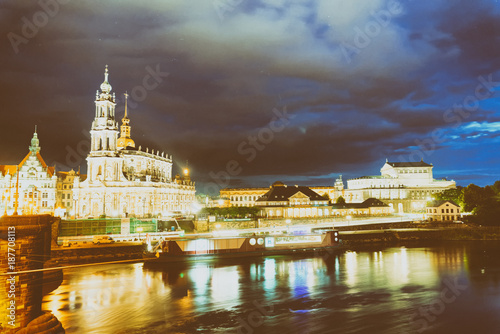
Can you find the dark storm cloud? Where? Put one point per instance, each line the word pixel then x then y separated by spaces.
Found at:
pixel 230 67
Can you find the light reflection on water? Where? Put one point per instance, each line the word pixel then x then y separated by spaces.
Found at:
pixel 369 291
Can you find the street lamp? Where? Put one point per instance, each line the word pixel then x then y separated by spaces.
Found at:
pixel 139 229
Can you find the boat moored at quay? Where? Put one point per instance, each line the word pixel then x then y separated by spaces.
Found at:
pixel 195 249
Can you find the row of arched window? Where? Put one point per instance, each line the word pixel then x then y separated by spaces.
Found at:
pixel 244 198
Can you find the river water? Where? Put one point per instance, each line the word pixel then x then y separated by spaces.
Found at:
pixel 445 288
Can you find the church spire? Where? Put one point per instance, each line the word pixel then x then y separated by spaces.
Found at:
pixel 35 143
pixel 126 100
pixel 104 132
pixel 125 139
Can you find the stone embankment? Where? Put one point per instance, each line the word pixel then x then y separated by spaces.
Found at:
pixel 81 255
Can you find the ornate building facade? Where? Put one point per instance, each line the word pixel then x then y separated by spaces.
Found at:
pixel 249 196
pixel 292 201
pixel 123 180
pixel 64 194
pixel 405 186
pixel 32 182
pixel 242 196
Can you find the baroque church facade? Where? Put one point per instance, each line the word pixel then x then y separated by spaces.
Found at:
pixel 32 182
pixel 123 180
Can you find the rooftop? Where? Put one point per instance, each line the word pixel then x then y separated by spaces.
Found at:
pixel 409 164
pixel 281 192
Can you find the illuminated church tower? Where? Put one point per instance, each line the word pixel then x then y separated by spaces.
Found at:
pixel 122 180
pixel 104 131
pixel 103 163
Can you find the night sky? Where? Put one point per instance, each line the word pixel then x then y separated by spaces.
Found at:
pixel 298 91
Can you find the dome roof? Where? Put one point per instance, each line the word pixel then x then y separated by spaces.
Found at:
pixel 105 86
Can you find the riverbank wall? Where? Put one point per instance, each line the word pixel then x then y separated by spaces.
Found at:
pixel 61 257
pixel 399 235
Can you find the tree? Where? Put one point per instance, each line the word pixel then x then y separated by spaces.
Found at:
pixel 484 203
pixel 450 195
pixel 340 200
pixel 496 187
pixel 487 213
pixel 233 212
pixel 474 196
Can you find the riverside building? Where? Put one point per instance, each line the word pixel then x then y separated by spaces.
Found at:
pixel 405 187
